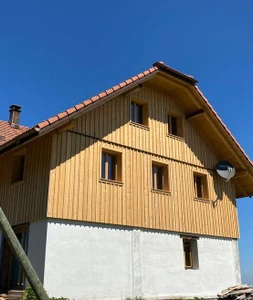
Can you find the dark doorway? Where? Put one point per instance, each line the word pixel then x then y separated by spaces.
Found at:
pixel 11 275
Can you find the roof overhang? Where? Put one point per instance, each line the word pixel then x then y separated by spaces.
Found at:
pixel 201 114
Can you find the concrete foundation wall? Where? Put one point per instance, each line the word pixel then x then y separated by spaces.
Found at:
pixel 88 261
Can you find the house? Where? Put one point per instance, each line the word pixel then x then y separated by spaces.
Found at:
pixel 119 195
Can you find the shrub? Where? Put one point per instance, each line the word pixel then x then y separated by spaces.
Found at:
pixel 135 298
pixel 30 295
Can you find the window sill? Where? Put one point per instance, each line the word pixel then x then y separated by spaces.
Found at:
pixel 163 192
pixel 113 182
pixel 202 200
pixel 176 137
pixel 145 127
pixel 17 182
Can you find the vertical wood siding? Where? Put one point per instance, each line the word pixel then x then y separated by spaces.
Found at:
pixel 76 191
pixel 26 201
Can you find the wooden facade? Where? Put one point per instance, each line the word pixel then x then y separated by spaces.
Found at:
pixel 76 190
pixel 26 200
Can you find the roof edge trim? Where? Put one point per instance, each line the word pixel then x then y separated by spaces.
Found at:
pixel 216 116
pixel 162 67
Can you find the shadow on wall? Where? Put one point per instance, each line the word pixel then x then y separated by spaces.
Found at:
pixel 90 129
pixel 108 118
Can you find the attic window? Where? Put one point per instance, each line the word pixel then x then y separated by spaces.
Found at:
pixel 18 167
pixel 175 125
pixel 139 111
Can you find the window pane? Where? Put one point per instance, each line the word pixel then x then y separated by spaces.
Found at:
pixel 159 178
pixel 174 125
pixel 187 253
pixel 199 186
pixel 132 111
pixel 153 176
pixel 21 167
pixel 103 165
pixel 111 166
pixel 18 168
pixel 138 111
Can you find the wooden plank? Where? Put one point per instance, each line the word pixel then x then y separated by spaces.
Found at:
pixel 75 189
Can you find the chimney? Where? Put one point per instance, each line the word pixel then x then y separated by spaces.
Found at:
pixel 14 115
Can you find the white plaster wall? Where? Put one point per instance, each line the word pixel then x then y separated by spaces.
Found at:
pixel 85 261
pixel 37 247
pixel 88 262
pixel 163 272
pixel 237 261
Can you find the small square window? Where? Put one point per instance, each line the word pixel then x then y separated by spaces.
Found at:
pixel 190 247
pixel 160 179
pixel 111 166
pixel 200 186
pixel 139 112
pixel 18 167
pixel 175 125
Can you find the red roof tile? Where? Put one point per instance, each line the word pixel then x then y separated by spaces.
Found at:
pixel 53 119
pixel 122 84
pixel 71 110
pixel 109 91
pixel 79 106
pixel 8 133
pixel 116 87
pixel 102 95
pixel 89 101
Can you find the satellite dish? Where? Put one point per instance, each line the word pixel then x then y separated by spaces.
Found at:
pixel 225 169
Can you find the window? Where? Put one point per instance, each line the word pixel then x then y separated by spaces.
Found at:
pixel 136 112
pixel 18 166
pixel 139 111
pixel 191 260
pixel 111 166
pixel 200 186
pixel 160 177
pixel 175 125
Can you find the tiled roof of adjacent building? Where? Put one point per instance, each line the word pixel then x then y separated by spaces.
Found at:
pixel 7 133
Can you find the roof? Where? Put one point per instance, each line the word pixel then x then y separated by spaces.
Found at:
pixel 8 133
pixel 117 88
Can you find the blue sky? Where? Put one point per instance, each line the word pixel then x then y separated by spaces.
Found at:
pixel 54 54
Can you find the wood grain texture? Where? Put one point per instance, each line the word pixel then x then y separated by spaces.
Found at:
pixel 26 201
pixel 76 191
